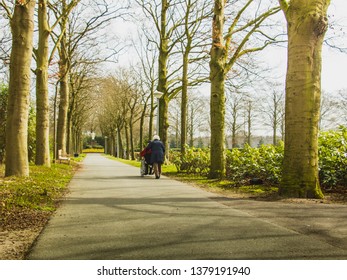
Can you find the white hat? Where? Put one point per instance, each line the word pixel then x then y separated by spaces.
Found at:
pixel 156 137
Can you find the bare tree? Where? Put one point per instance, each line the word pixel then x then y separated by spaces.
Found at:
pixel 234 104
pixel 250 110
pixel 81 38
pixel 226 50
pixel 166 21
pixel 336 33
pixel 343 105
pixel 82 103
pixel 197 116
pixel 43 57
pixel 134 98
pixel 147 53
pixel 193 41
pixel 331 113
pixel 120 110
pixel 5 43
pixel 272 108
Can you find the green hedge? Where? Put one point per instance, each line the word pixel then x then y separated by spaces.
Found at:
pixel 333 157
pixel 196 161
pixel 265 163
pixel 262 163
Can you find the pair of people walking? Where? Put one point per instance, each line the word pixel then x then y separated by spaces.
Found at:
pixel 153 157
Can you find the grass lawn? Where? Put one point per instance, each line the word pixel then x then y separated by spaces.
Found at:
pixel 28 201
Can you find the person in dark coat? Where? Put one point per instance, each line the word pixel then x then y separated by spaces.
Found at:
pixel 158 151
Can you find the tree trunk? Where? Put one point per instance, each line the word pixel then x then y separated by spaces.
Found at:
pixel 142 142
pixel 249 123
pixel 42 102
pixel 162 81
pixel 3 116
pixel 64 87
pixel 120 142
pixel 275 121
pixel 184 103
pixel 69 122
pixel 63 109
pixel 217 102
pixel 142 124
pixel 164 122
pixel 177 132
pixel 127 142
pixel 22 26
pixel 131 136
pixel 233 127
pixel 306 28
pixel 151 117
pixel 191 132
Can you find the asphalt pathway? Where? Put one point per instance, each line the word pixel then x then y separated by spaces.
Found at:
pixel 113 213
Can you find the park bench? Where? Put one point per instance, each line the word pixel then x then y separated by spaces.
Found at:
pixel 63 158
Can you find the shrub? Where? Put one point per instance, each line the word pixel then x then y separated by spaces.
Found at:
pixel 195 161
pixel 264 163
pixel 333 157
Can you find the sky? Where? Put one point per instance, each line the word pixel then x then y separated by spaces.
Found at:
pixel 334 77
pixel 334 63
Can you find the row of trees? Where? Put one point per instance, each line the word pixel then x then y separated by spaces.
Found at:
pixel 176 54
pixel 248 117
pixel 306 27
pixel 66 52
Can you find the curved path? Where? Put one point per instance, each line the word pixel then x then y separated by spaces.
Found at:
pixel 113 213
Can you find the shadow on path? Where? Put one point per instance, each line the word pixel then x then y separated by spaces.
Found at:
pixel 113 213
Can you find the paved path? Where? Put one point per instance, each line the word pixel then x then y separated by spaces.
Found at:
pixel 113 213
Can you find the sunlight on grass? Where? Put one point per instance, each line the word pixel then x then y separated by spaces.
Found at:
pixel 93 150
pixel 255 189
pixel 44 187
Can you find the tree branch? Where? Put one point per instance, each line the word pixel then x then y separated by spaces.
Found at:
pixel 284 4
pixel 232 26
pixel 6 8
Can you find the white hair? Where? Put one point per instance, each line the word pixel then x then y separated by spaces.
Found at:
pixel 156 137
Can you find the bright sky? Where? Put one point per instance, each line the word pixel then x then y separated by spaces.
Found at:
pixel 334 62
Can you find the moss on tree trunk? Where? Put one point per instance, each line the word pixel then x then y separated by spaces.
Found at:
pixel 307 24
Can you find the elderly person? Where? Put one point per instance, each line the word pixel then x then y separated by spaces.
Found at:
pixel 157 155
